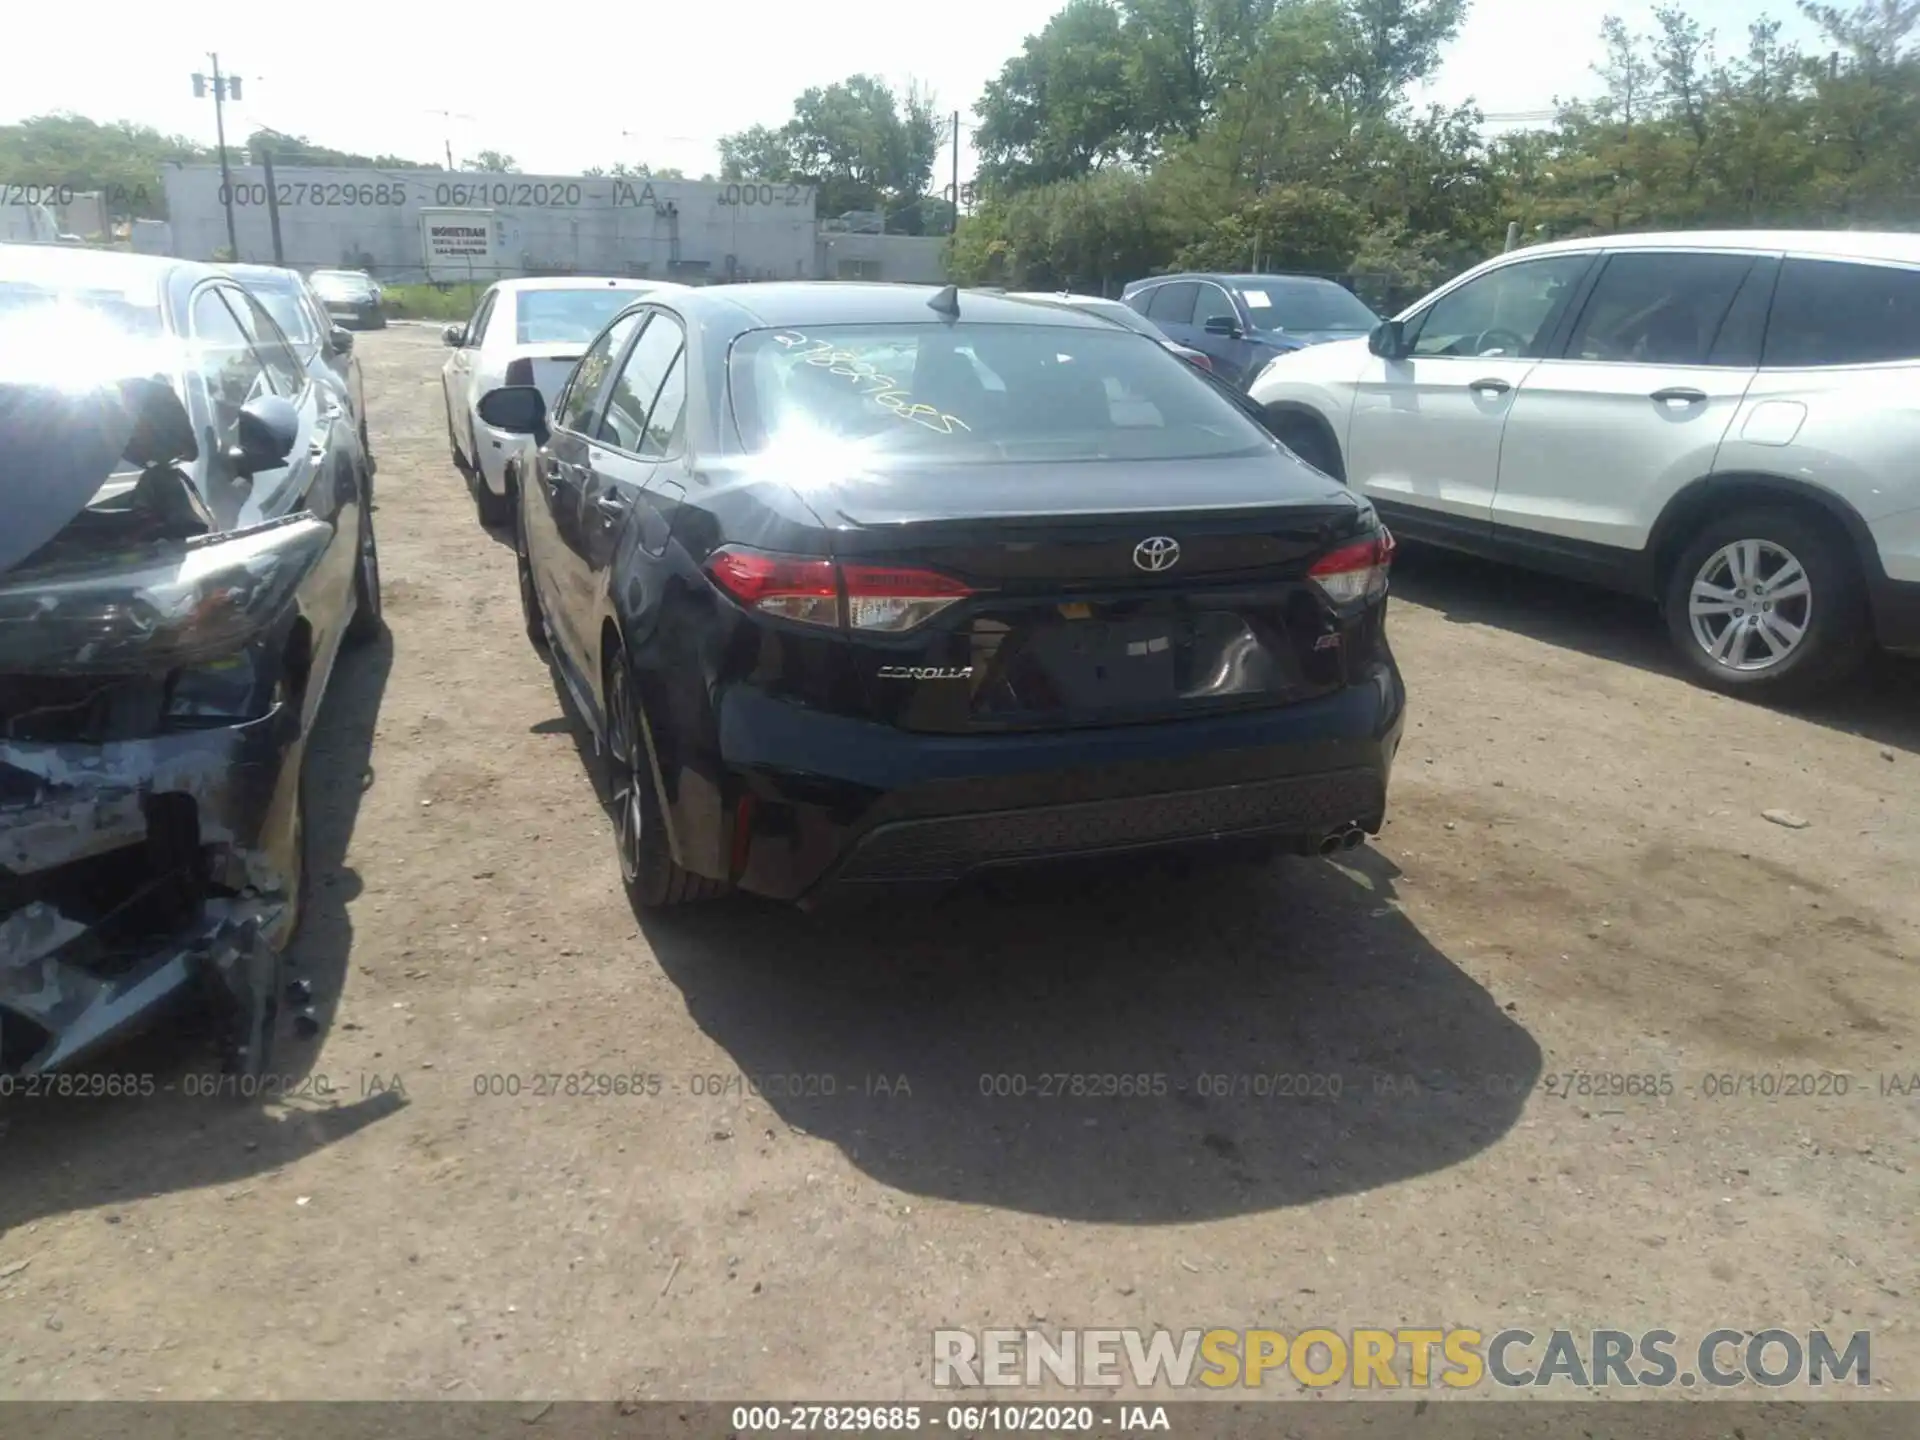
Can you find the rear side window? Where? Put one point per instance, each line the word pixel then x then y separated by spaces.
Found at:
pixel 583 386
pixel 1173 304
pixel 554 317
pixel 1658 308
pixel 1836 312
pixel 625 421
pixel 982 393
pixel 477 327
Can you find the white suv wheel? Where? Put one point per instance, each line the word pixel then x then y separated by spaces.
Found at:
pixel 1750 605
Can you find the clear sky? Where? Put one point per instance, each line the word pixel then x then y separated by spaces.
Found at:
pixel 589 82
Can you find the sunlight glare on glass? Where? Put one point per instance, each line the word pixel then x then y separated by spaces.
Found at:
pixel 805 454
pixel 72 347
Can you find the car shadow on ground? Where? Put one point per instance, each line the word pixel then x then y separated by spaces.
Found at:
pixel 1129 1042
pixel 1296 1036
pixel 61 1154
pixel 1882 705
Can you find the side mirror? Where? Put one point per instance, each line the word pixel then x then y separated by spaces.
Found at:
pixel 1223 325
pixel 1388 340
pixel 454 335
pixel 517 409
pixel 340 341
pixel 267 428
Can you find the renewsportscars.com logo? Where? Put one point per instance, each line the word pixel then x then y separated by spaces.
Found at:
pixel 1414 1358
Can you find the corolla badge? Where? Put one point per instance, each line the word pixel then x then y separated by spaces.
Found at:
pixel 926 672
pixel 1157 553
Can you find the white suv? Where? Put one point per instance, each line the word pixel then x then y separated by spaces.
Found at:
pixel 1727 423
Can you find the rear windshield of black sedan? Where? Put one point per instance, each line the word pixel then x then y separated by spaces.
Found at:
pixel 981 392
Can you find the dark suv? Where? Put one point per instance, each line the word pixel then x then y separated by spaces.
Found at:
pixel 1240 322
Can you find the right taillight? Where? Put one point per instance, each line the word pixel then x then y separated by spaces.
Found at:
pixel 1357 571
pixel 813 591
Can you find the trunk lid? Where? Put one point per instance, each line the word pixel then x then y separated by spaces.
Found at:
pixel 1104 592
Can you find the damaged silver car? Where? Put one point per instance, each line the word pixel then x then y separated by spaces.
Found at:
pixel 186 547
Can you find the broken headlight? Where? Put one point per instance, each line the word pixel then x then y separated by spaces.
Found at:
pixel 221 692
pixel 177 605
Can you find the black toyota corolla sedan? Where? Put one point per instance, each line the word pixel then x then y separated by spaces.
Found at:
pixel 186 548
pixel 860 584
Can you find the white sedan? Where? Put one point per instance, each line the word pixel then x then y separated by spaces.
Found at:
pixel 523 332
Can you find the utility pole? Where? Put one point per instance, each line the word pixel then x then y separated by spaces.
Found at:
pixel 446 135
pixel 273 203
pixel 953 225
pixel 223 85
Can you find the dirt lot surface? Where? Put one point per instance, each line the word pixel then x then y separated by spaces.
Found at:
pixel 1576 880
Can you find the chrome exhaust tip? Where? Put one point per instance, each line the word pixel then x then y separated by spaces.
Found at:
pixel 1353 839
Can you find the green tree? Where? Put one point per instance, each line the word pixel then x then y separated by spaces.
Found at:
pixel 494 162
pixel 1063 107
pixel 121 161
pixel 858 142
pixel 298 150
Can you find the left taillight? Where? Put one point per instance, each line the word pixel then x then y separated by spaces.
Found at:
pixel 1357 571
pixel 885 599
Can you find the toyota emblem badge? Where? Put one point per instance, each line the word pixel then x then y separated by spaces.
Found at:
pixel 1157 553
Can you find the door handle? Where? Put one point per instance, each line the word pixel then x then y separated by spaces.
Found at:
pixel 610 505
pixel 1489 386
pixel 1679 395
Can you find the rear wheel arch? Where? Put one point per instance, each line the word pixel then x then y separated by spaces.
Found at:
pixel 1715 495
pixel 1289 418
pixel 612 645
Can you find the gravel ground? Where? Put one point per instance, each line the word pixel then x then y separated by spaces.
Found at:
pixel 1577 879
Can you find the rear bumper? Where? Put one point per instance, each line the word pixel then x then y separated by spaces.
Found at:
pixel 839 803
pixel 370 316
pixel 499 448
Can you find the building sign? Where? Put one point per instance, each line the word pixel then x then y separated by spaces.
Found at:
pixel 457 244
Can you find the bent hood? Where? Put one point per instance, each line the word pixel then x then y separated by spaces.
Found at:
pixel 60 443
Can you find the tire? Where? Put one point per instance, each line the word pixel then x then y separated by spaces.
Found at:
pixel 653 880
pixel 1825 607
pixel 530 614
pixel 367 623
pixel 1311 444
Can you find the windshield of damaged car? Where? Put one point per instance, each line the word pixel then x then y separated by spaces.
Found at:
pixel 981 392
pixel 136 316
pixel 542 317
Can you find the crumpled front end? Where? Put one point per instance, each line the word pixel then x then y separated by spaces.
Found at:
pixel 150 747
